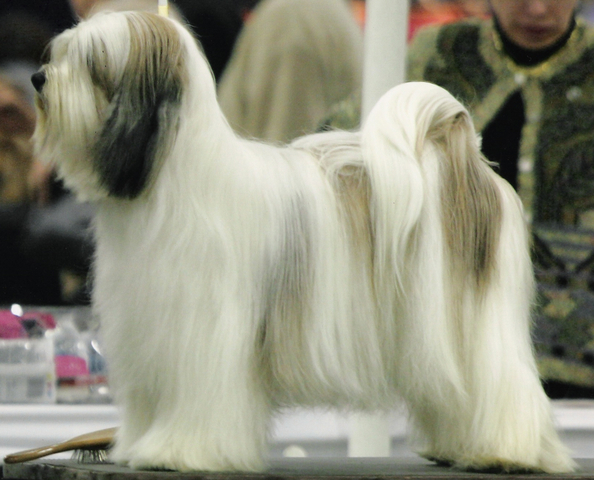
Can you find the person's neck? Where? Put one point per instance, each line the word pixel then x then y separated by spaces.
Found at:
pixel 529 58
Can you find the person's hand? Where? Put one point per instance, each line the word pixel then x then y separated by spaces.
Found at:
pixel 17 116
pixel 39 181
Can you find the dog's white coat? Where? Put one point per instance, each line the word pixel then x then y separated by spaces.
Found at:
pixel 348 269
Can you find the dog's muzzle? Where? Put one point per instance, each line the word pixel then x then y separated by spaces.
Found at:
pixel 38 80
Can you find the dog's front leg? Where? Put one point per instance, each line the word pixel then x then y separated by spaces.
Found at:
pixel 201 406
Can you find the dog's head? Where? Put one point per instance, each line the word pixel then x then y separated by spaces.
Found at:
pixel 108 101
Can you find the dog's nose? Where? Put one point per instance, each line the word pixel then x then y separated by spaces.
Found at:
pixel 38 80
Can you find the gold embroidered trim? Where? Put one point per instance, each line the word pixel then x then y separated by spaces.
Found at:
pixel 548 65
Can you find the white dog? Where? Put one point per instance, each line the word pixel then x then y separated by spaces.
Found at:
pixel 348 270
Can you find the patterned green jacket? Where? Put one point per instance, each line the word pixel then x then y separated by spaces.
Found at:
pixel 556 167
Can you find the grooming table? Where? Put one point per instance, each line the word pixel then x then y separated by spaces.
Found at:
pixel 279 469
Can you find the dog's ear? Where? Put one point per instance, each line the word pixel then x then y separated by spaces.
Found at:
pixel 143 115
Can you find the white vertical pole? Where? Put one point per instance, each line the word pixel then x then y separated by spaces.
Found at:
pixel 386 29
pixel 369 435
pixel 163 8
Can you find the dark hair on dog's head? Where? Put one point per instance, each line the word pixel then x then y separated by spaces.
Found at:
pixel 143 108
pixel 109 100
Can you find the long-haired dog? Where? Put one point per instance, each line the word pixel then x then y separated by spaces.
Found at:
pixel 348 270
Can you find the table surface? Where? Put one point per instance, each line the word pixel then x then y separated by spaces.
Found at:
pixel 322 435
pixel 280 469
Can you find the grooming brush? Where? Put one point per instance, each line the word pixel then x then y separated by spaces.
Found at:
pixel 88 448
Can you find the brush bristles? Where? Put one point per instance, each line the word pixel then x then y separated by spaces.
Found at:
pixel 90 455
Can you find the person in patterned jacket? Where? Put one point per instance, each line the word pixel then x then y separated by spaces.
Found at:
pixel 527 76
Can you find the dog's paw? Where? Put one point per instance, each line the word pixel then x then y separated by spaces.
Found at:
pixel 152 453
pixel 440 461
pixel 485 465
pixel 153 464
pixel 496 465
pixel 161 459
pixel 507 466
pixel 143 454
pixel 501 465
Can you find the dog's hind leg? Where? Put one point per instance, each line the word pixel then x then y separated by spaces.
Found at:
pixel 504 422
pixel 451 241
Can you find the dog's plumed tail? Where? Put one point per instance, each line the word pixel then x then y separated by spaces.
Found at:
pixel 450 234
pixel 436 215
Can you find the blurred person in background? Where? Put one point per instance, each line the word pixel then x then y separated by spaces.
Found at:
pixel 526 76
pixel 428 12
pixel 86 8
pixel 55 15
pixel 292 61
pixel 45 251
pixel 22 279
pixel 216 23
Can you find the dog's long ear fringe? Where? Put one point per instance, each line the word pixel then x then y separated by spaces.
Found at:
pixel 144 108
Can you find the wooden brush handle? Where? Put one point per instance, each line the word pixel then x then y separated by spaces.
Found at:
pixel 101 439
